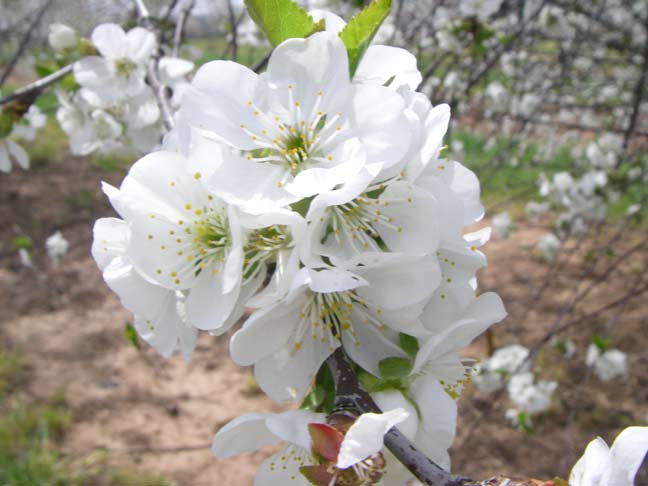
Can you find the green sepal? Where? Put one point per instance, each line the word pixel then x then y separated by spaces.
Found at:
pixel 282 19
pixel 395 367
pixel 361 29
pixel 302 206
pixel 409 344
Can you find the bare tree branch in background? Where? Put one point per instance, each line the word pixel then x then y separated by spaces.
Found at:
pixel 181 22
pixel 24 41
pixel 160 90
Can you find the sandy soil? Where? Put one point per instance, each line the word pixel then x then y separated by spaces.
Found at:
pixel 161 415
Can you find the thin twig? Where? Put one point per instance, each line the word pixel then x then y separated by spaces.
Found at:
pixel 160 90
pixel 639 94
pixel 183 15
pixel 37 86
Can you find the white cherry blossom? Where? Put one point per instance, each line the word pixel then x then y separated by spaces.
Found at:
pixel 361 305
pixel 120 68
pixel 300 123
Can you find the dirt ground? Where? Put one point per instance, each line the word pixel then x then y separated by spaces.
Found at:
pixel 161 415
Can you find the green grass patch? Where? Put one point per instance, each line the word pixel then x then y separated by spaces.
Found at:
pixel 12 371
pixel 30 436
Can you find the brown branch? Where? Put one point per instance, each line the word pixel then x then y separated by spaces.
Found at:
pixel 349 393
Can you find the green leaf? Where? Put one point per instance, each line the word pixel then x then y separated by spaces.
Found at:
pixel 22 242
pixel 43 70
pixel 601 343
pixel 409 344
pixel 281 19
pixel 131 334
pixel 395 367
pixel 361 29
pixel 6 123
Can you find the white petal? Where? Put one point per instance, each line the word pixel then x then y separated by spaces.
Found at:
pixel 486 310
pixel 18 153
pixel 466 185
pixel 265 332
pixel 317 180
pixel 250 184
pixel 366 436
pixel 382 63
pixel 292 426
pixel 173 68
pixel 246 433
pixel 438 419
pixel 5 163
pixel 136 294
pixel 626 455
pixel 377 112
pixel 392 399
pixel 333 280
pixel 141 44
pixel 110 41
pixel 317 62
pixel 349 190
pixel 589 469
pixel 333 23
pixel 287 375
pixel 414 212
pixel 217 102
pixel 396 280
pixel 370 344
pixel 283 469
pixel 208 304
pixel 91 71
pixel 110 238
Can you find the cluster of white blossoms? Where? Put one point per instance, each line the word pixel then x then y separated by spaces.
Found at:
pixel 509 366
pixel 23 129
pixel 323 203
pixel 115 110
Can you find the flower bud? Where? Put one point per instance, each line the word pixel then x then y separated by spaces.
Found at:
pixel 62 36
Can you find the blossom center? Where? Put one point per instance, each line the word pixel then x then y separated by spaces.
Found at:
pixel 327 316
pixel 295 138
pixel 124 67
pixel 262 247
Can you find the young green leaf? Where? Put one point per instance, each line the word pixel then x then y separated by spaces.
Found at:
pixel 361 29
pixel 395 367
pixel 280 19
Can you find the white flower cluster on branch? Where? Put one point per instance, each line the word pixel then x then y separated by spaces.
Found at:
pixel 115 110
pixel 322 202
